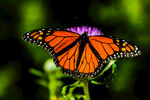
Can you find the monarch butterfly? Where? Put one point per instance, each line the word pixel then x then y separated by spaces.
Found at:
pixel 81 51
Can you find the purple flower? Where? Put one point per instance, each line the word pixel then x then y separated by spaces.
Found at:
pixel 81 29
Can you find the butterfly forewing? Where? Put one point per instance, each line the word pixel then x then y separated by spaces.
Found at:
pixel 112 48
pixel 62 45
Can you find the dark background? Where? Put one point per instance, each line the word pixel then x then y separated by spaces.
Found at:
pixel 126 19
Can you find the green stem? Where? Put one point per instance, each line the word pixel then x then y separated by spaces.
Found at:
pixel 107 67
pixel 86 89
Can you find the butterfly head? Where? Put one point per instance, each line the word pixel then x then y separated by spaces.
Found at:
pixel 90 31
pixel 84 35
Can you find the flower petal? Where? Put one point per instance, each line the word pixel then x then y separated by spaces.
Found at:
pixel 82 29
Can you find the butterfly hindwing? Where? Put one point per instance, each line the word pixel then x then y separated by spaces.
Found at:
pixel 68 59
pixel 89 64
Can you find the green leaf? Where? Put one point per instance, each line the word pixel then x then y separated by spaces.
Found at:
pixel 36 72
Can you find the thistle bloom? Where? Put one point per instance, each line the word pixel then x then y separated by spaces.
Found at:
pixel 90 30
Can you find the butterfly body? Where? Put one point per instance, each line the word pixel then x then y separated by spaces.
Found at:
pixel 81 55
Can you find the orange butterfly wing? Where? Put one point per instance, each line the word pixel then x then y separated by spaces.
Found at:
pixel 68 59
pixel 63 46
pixel 111 48
pixel 99 50
pixel 89 64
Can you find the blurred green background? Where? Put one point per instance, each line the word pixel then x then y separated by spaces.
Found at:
pixel 24 66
